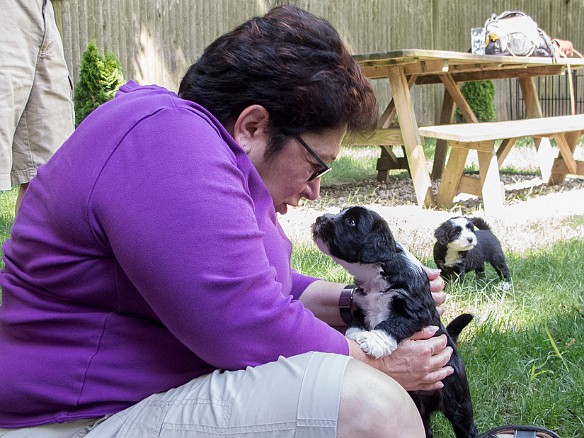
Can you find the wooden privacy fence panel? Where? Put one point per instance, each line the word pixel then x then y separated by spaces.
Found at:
pixel 156 40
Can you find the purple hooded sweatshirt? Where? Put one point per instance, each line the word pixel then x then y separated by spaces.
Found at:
pixel 146 252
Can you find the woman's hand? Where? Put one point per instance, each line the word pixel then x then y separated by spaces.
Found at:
pixel 436 287
pixel 419 363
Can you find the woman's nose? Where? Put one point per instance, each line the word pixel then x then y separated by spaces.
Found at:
pixel 312 190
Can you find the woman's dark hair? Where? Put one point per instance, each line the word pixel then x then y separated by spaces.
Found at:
pixel 292 63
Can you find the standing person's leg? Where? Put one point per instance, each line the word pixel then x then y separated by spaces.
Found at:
pixel 21 35
pixel 48 117
pixel 21 189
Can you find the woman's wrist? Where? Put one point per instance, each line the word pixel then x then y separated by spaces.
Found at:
pixel 346 303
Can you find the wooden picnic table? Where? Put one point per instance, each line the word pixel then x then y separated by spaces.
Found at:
pixel 405 68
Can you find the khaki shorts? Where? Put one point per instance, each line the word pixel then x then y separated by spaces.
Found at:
pixel 294 397
pixel 36 107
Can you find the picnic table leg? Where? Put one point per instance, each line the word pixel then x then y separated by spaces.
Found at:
pixel 409 128
pixel 567 152
pixel 388 160
pixel 453 171
pixel 446 117
pixel 563 166
pixel 492 189
pixel 453 97
pixel 545 157
pixel 453 89
pixel 545 153
pixel 504 150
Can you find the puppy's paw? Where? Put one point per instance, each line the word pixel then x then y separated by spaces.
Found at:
pixel 352 331
pixel 376 343
pixel 505 285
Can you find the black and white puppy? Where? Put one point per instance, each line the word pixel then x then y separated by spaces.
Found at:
pixel 392 302
pixel 466 244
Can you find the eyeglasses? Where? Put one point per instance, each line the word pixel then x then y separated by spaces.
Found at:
pixel 322 169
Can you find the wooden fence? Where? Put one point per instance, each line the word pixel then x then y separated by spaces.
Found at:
pixel 156 40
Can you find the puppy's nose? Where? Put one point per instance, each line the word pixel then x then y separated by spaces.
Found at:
pixel 323 219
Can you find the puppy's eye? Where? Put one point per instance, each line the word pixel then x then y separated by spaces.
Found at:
pixel 351 222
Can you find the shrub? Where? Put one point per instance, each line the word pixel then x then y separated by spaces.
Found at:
pixel 99 79
pixel 480 96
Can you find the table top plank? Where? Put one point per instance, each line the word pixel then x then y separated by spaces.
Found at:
pixel 427 64
pixel 407 56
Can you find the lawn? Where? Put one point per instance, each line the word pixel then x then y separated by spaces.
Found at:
pixel 524 352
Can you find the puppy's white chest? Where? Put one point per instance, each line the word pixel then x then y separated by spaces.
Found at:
pixel 376 307
pixel 452 257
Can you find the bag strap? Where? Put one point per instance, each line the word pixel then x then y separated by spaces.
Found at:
pixel 509 14
pixel 503 15
pixel 559 54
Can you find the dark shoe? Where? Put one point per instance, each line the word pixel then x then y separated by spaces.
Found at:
pixel 512 431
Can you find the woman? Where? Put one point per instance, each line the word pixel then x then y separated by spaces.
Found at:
pixel 148 285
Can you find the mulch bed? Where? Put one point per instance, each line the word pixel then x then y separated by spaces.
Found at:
pixel 400 191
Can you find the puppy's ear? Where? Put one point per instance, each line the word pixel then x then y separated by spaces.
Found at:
pixel 379 244
pixel 441 235
pixel 479 223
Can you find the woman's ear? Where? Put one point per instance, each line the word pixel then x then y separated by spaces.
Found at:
pixel 250 129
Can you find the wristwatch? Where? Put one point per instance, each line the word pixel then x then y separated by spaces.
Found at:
pixel 346 302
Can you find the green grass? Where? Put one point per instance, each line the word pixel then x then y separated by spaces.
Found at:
pixel 356 163
pixel 353 164
pixel 524 353
pixel 7 200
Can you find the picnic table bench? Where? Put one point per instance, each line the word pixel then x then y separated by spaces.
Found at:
pixel 482 137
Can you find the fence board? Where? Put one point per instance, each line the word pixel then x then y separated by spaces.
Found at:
pixel 156 40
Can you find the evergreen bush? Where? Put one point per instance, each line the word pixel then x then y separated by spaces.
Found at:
pixel 480 96
pixel 99 79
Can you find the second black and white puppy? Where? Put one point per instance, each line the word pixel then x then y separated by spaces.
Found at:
pixel 392 302
pixel 466 244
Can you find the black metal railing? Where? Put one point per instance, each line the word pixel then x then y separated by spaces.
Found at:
pixel 554 95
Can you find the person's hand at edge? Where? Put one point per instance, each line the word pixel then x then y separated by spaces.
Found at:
pixel 565 46
pixel 437 288
pixel 419 363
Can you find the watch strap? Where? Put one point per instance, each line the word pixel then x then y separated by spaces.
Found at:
pixel 346 302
